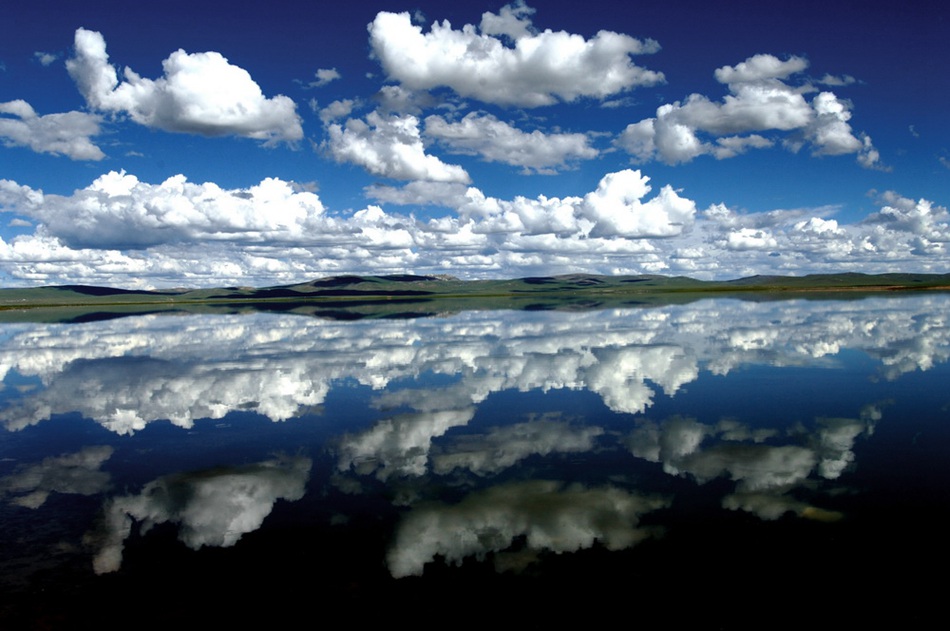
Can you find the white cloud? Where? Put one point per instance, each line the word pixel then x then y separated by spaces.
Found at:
pixel 420 193
pixel 616 209
pixel 324 76
pixel 118 210
pixel 538 69
pixel 869 157
pixel 45 58
pixel 731 146
pixel 122 231
pixel 751 239
pixel 834 81
pixel 66 134
pixel 337 110
pixel 513 21
pixel 394 99
pixel 760 68
pixel 759 101
pixel 390 146
pixel 917 217
pixel 830 132
pixel 199 93
pixel 497 141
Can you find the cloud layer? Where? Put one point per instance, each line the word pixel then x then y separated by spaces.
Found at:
pixel 120 230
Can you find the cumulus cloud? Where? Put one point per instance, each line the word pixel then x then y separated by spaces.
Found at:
pixel 760 100
pixel 200 93
pixel 760 68
pixel 337 110
pixel 497 141
pixel 420 193
pixel 119 211
pixel 394 99
pixel 504 61
pixel 835 81
pixel 45 58
pixel 390 146
pixel 122 231
pixel 616 209
pixel 69 133
pixel 324 76
pixel 750 239
pixel 513 21
pixel 918 217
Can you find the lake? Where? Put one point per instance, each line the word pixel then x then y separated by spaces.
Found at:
pixel 729 463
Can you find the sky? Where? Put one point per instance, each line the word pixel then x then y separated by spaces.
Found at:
pixel 174 144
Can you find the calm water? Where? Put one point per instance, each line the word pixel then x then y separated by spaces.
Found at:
pixel 730 463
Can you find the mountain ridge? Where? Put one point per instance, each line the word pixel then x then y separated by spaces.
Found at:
pixel 396 286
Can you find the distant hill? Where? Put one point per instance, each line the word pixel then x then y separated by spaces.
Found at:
pixel 352 292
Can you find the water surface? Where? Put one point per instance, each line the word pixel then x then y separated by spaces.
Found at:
pixel 725 462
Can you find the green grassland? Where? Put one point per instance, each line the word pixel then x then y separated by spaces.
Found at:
pixel 409 295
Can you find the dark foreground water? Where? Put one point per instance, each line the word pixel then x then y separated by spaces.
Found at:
pixel 723 463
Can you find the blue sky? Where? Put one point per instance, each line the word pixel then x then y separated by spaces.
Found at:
pixel 176 144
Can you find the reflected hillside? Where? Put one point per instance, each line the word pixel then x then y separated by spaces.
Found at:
pixel 406 296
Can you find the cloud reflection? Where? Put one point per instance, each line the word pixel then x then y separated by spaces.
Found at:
pixel 550 516
pixel 126 373
pixel 77 473
pixel 212 508
pixel 502 447
pixel 765 466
